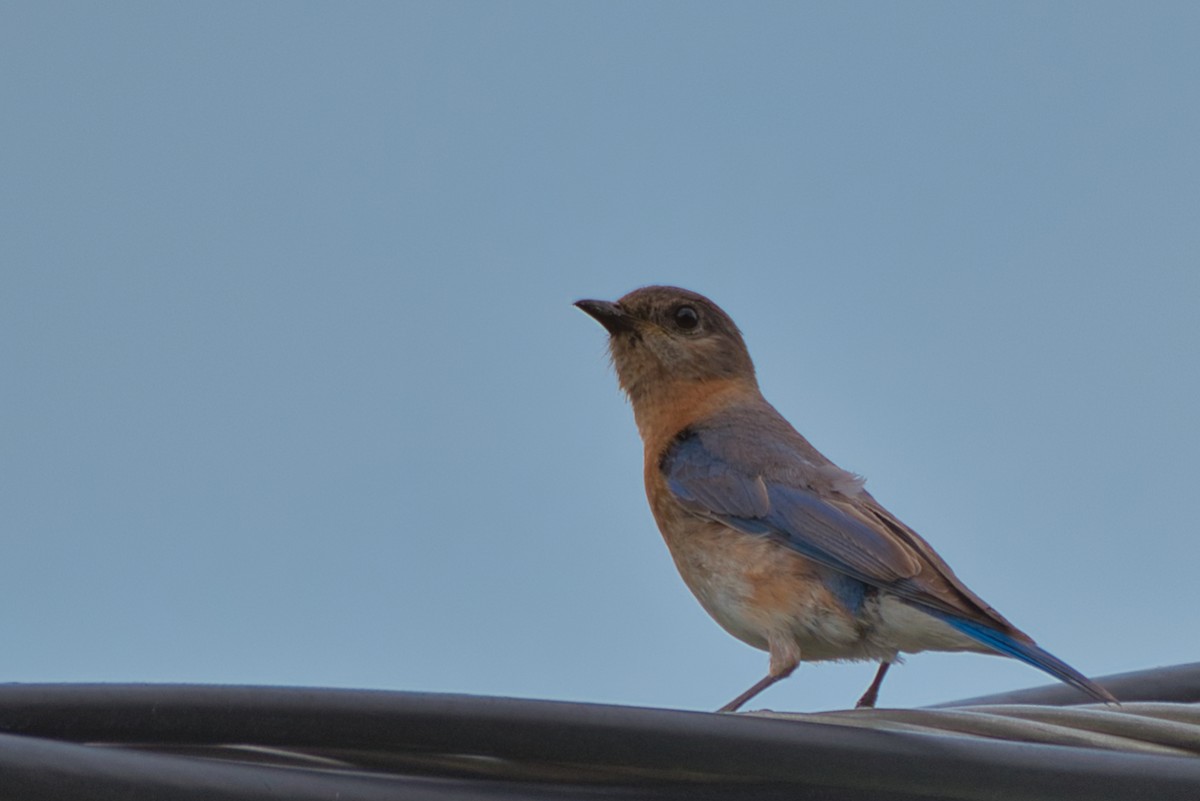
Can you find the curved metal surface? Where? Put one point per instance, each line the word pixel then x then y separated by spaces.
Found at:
pixel 1141 728
pixel 1176 683
pixel 222 743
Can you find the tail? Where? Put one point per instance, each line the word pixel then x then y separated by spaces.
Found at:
pixel 1027 652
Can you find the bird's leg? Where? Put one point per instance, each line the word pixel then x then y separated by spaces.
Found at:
pixel 762 684
pixel 784 659
pixel 872 694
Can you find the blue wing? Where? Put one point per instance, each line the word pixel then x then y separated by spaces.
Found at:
pixel 812 524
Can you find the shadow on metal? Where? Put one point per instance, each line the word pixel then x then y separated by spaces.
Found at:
pixel 134 742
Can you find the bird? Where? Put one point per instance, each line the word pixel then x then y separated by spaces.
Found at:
pixel 786 551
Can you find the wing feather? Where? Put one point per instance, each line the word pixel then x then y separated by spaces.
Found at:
pixel 816 525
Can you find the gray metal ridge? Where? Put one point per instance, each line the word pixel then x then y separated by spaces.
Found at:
pixel 246 743
pixel 1179 683
pixel 1147 728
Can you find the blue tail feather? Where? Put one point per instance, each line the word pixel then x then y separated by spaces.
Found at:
pixel 1028 653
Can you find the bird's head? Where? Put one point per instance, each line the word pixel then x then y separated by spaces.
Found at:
pixel 663 338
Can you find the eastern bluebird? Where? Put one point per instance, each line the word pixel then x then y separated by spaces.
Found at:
pixel 784 549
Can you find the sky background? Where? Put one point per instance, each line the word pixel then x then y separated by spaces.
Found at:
pixel 293 392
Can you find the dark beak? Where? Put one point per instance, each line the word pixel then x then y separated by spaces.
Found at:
pixel 609 315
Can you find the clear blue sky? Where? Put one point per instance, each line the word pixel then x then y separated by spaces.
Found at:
pixel 293 391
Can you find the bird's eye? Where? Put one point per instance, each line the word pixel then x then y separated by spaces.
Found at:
pixel 686 317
